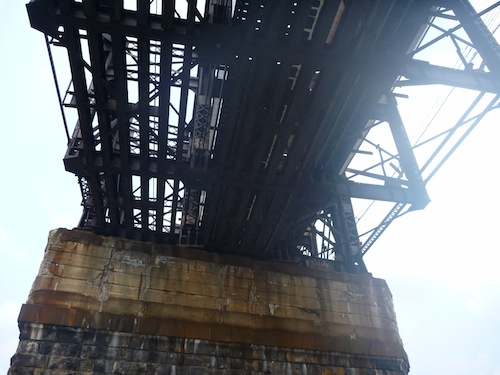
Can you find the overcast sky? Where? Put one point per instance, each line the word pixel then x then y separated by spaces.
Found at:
pixel 441 263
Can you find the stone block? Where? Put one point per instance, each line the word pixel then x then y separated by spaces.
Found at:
pixel 109 305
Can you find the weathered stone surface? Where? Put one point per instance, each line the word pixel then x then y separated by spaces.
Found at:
pixel 107 305
pixel 126 353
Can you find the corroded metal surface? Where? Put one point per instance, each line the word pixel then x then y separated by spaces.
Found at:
pixel 250 127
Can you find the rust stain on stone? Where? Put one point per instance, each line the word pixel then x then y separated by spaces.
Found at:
pixel 98 285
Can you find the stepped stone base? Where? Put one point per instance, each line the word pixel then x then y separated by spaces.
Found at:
pixel 112 306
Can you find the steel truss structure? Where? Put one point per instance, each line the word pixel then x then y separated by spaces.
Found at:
pixel 252 128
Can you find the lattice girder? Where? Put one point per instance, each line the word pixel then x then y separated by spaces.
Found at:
pixel 249 129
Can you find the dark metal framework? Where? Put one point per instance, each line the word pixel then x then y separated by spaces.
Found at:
pixel 252 128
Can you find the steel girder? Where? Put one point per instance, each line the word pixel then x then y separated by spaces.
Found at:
pixel 241 129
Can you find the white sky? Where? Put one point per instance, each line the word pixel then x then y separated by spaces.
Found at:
pixel 440 263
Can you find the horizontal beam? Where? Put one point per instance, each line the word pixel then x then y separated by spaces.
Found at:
pixel 214 43
pixel 170 169
pixel 385 193
pixel 420 72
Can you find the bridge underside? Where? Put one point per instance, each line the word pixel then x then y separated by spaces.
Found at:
pixel 235 128
pixel 238 130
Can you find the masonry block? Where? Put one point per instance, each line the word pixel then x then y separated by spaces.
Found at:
pixel 111 306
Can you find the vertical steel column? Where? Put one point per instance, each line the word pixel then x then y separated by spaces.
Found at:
pixel 346 236
pixel 101 92
pixel 71 40
pixel 118 49
pixel 181 124
pixel 143 45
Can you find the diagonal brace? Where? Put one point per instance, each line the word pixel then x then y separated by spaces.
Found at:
pixel 406 156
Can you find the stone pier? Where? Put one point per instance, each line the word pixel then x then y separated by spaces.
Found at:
pixel 104 305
